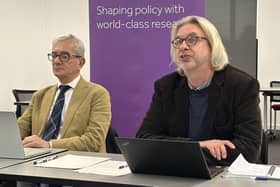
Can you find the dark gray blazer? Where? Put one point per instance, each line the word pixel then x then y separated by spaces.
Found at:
pixel 233 112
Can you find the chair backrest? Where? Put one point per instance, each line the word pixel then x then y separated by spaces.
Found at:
pixel 22 96
pixel 276 97
pixel 111 145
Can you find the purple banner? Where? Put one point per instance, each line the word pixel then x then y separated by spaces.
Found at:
pixel 130 49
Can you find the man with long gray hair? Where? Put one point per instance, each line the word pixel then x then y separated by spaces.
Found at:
pixel 206 99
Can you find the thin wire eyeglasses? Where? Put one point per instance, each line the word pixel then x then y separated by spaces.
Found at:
pixel 190 40
pixel 63 56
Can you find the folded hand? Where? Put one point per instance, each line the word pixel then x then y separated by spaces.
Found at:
pixel 217 148
pixel 35 141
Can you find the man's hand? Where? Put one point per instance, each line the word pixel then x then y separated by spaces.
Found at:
pixel 217 148
pixel 35 141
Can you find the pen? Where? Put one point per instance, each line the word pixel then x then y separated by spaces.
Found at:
pixel 237 177
pixel 122 166
pixel 45 160
pixel 261 178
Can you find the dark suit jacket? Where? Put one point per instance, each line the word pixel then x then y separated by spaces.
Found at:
pixel 233 112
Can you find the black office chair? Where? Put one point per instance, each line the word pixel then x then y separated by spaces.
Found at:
pixel 263 159
pixel 274 105
pixel 22 100
pixel 111 145
pixel 8 184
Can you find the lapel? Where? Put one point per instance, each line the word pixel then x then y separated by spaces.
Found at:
pixel 181 107
pixel 79 94
pixel 46 107
pixel 214 96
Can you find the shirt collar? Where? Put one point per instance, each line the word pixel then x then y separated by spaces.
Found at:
pixel 204 85
pixel 73 83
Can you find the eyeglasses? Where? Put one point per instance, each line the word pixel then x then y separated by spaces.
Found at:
pixel 190 40
pixel 63 56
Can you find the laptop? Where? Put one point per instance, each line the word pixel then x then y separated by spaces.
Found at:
pixel 166 157
pixel 10 139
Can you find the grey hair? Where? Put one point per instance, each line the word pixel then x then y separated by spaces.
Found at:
pixel 79 45
pixel 218 52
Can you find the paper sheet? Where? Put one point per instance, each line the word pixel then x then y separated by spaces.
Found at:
pixel 70 161
pixel 109 167
pixel 241 168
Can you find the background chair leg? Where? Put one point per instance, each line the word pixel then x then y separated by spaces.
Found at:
pixel 274 134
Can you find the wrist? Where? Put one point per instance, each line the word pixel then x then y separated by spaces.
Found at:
pixel 49 144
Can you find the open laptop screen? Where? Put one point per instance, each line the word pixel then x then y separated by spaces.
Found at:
pixel 10 140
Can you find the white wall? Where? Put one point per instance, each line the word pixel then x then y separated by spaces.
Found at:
pixel 269 41
pixel 27 30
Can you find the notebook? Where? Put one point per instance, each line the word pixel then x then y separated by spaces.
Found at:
pixel 166 157
pixel 10 139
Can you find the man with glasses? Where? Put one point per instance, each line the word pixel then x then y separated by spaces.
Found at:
pixel 73 114
pixel 206 100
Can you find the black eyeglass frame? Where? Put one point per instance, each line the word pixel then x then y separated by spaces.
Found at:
pixel 190 40
pixel 63 56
